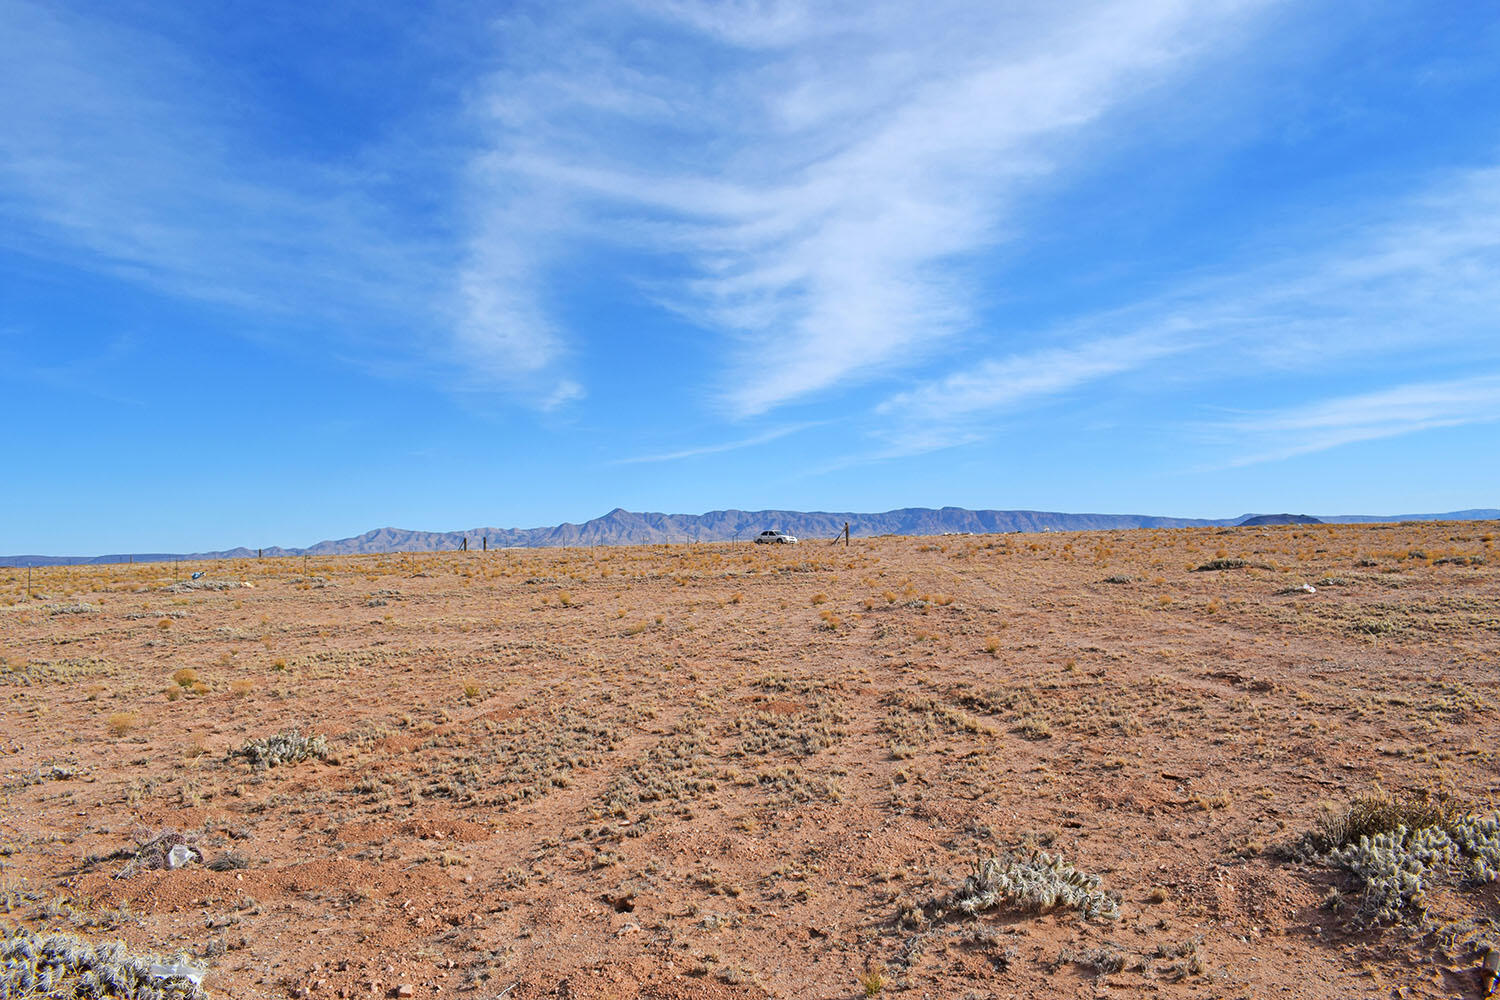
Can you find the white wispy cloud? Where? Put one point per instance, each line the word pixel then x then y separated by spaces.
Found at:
pixel 1385 413
pixel 121 153
pixel 817 176
pixel 767 437
pixel 1004 383
pixel 956 410
pixel 1411 281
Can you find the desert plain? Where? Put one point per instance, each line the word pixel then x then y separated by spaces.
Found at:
pixel 728 770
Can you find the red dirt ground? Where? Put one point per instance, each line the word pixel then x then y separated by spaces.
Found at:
pixel 728 771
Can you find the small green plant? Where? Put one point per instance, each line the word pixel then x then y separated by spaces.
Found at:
pixel 873 981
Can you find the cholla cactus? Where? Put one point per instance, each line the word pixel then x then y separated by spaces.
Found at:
pixel 1034 884
pixel 1396 868
pixel 60 965
pixel 283 748
pixel 1478 837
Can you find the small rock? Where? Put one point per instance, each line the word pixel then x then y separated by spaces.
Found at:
pixel 406 990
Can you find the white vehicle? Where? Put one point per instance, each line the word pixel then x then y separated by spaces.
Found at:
pixel 774 537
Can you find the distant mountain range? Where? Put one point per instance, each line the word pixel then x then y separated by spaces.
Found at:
pixel 623 527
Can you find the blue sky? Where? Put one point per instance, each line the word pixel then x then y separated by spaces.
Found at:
pixel 274 272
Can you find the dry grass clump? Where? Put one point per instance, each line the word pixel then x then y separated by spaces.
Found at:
pixel 201 584
pixel 1214 564
pixel 289 747
pixel 799 733
pixel 1034 727
pixel 524 758
pixel 941 713
pixel 1380 812
pixel 675 770
pixel 1103 961
pixel 121 723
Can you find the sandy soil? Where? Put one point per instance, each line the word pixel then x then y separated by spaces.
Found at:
pixel 740 771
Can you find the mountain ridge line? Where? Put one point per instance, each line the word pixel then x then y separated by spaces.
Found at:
pixel 623 527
